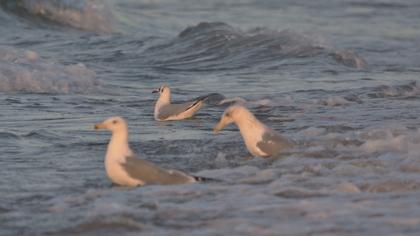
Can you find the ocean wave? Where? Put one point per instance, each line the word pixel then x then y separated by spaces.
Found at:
pixel 388 144
pixel 408 90
pixel 403 91
pixel 89 15
pixel 41 135
pixel 251 104
pixel 389 140
pixel 392 185
pixel 121 223
pixel 334 101
pixel 23 70
pixel 9 135
pixel 218 46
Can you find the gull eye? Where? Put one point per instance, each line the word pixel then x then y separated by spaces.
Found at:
pixel 114 121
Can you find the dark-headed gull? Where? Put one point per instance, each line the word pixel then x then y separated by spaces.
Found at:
pixel 165 110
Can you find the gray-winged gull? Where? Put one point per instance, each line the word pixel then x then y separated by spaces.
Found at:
pixel 165 110
pixel 124 168
pixel 259 139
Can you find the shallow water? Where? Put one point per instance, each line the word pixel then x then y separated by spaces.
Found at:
pixel 340 78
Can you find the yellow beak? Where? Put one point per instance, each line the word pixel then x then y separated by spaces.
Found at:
pixel 99 126
pixel 218 127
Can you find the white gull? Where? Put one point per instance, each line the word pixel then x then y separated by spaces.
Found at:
pixel 124 168
pixel 259 139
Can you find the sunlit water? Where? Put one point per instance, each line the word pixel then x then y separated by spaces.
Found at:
pixel 338 77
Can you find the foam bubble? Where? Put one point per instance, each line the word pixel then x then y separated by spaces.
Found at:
pixel 349 58
pixel 348 187
pixel 220 159
pixel 334 101
pixel 31 55
pixel 409 90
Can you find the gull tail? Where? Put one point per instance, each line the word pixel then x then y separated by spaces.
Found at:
pixel 212 98
pixel 200 100
pixel 205 179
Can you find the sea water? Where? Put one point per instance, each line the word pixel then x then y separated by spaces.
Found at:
pixel 341 78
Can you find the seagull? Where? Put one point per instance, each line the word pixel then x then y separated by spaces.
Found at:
pixel 124 168
pixel 164 110
pixel 259 139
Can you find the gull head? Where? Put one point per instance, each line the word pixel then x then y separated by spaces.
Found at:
pixel 114 124
pixel 163 90
pixel 231 114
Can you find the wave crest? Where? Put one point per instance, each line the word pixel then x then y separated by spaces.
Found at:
pixel 23 70
pixel 90 15
pixel 219 46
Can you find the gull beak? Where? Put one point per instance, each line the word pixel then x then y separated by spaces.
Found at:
pixel 100 126
pixel 218 127
pixel 155 91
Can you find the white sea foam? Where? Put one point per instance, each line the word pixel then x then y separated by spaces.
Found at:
pixel 91 15
pixel 312 132
pixel 391 141
pixel 349 58
pixel 334 101
pixel 24 70
pixel 256 103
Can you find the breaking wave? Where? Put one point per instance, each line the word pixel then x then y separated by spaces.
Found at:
pixel 90 15
pixel 219 46
pixel 24 70
pixel 403 91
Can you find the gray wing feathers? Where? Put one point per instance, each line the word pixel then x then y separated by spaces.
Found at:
pixel 175 109
pixel 273 143
pixel 152 174
pixel 202 98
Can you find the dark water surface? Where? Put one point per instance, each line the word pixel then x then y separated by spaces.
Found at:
pixel 339 77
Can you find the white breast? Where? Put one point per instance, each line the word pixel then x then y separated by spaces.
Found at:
pixel 252 134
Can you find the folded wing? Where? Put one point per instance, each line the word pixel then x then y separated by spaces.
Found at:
pixel 176 109
pixel 149 173
pixel 273 143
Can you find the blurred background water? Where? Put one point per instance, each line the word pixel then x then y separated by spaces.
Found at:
pixel 339 77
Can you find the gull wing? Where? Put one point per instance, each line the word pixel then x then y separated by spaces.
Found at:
pixel 150 173
pixel 176 109
pixel 273 143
